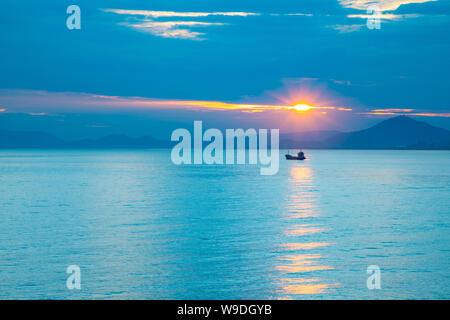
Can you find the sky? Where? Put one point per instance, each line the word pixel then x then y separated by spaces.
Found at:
pixel 148 67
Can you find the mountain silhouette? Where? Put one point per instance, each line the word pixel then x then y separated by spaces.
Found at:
pixel 42 140
pixel 119 142
pixel 305 139
pixel 29 139
pixel 399 132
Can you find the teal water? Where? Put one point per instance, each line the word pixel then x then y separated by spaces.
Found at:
pixel 140 227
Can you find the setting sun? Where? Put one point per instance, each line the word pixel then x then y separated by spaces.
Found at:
pixel 302 107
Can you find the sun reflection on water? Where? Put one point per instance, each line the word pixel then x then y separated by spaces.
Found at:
pixel 301 202
pixel 302 229
pixel 301 263
pixel 300 266
pixel 305 286
pixel 303 246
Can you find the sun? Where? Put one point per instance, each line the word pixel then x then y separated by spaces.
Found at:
pixel 302 107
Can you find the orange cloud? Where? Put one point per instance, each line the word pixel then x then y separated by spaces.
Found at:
pixel 58 101
pixel 393 110
pixel 405 112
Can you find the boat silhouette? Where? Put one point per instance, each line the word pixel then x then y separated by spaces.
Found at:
pixel 300 156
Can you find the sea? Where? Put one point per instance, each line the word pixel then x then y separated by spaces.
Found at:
pixel 343 224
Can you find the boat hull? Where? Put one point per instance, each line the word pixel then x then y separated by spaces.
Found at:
pixel 289 157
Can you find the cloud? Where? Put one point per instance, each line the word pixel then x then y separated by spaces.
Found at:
pixel 148 20
pixel 308 79
pixel 384 5
pixel 343 82
pixel 171 29
pixel 384 16
pixel 161 14
pixel 347 28
pixel 40 102
pixel 353 84
pixel 404 112
pixel 393 110
pixel 299 14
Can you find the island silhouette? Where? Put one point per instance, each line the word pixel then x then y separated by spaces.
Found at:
pixel 399 132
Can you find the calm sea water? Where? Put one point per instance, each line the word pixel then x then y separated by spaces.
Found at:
pixel 140 227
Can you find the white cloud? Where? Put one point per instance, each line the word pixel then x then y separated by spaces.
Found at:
pixel 170 29
pixel 145 21
pixel 161 14
pixel 347 28
pixel 385 5
pixel 385 16
pixel 300 14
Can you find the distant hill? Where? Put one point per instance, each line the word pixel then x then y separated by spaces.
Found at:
pixel 40 140
pixel 400 132
pixel 119 142
pixel 28 139
pixel 305 139
pixel 396 133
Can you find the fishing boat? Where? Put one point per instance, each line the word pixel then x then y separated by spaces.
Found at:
pixel 300 156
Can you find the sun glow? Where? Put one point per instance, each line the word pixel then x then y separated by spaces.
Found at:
pixel 302 107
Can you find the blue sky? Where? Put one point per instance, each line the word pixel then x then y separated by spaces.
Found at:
pixel 232 52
